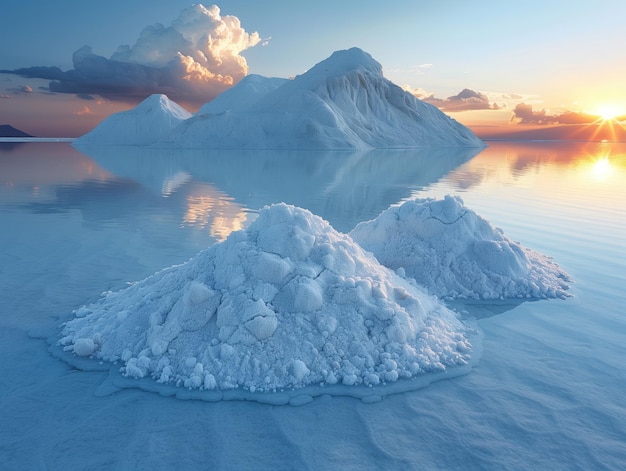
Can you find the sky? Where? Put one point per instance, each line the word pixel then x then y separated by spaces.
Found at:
pixel 498 67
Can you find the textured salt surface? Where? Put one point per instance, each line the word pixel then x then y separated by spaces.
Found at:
pixel 455 253
pixel 287 303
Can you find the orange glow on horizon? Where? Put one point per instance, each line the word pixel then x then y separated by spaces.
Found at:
pixel 609 112
pixel 597 167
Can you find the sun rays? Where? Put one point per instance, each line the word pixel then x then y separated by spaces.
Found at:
pixel 609 125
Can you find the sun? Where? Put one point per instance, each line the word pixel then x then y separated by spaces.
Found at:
pixel 608 112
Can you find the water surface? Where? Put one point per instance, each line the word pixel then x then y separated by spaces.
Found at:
pixel 547 393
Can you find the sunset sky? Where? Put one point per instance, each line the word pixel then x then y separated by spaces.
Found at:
pixel 492 65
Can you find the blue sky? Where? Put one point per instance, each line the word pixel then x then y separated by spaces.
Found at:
pixel 557 56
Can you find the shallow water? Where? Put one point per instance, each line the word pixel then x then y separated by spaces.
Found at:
pixel 547 392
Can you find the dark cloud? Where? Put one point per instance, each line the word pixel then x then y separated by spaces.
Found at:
pixel 191 61
pixel 525 114
pixel 466 100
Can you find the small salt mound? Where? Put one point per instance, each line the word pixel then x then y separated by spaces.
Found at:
pixel 455 253
pixel 289 302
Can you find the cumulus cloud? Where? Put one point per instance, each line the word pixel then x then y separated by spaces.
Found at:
pixel 465 100
pixel 417 92
pixel 191 61
pixel 525 114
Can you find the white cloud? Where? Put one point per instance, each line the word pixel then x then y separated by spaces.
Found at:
pixel 192 61
pixel 465 100
pixel 417 92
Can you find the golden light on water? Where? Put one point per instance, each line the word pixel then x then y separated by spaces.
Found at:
pixel 601 168
pixel 215 212
pixel 595 167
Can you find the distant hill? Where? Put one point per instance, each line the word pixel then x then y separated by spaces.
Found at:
pixel 143 125
pixel 6 130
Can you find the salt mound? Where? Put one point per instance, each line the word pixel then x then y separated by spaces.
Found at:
pixel 455 253
pixel 343 102
pixel 243 95
pixel 145 124
pixel 289 302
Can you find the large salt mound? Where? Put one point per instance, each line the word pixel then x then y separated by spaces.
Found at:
pixel 343 102
pixel 242 96
pixel 289 302
pixel 455 253
pixel 145 124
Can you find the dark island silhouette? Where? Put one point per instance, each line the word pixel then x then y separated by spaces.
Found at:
pixel 6 130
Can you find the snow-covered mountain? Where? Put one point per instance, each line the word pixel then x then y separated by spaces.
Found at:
pixel 343 102
pixel 143 125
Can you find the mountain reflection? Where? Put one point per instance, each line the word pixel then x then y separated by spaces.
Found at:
pixel 343 187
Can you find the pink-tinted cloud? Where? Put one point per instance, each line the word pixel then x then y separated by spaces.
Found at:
pixel 466 100
pixel 85 111
pixel 191 61
pixel 525 114
pixel 419 93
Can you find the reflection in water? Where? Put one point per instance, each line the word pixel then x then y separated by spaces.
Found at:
pixel 506 162
pixel 178 202
pixel 602 169
pixel 207 207
pixel 343 187
pixel 170 185
pixel 481 309
pixel 28 172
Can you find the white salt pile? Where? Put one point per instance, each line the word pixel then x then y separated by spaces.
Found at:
pixel 455 253
pixel 143 125
pixel 288 302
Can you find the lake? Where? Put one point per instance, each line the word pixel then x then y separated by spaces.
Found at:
pixel 547 391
